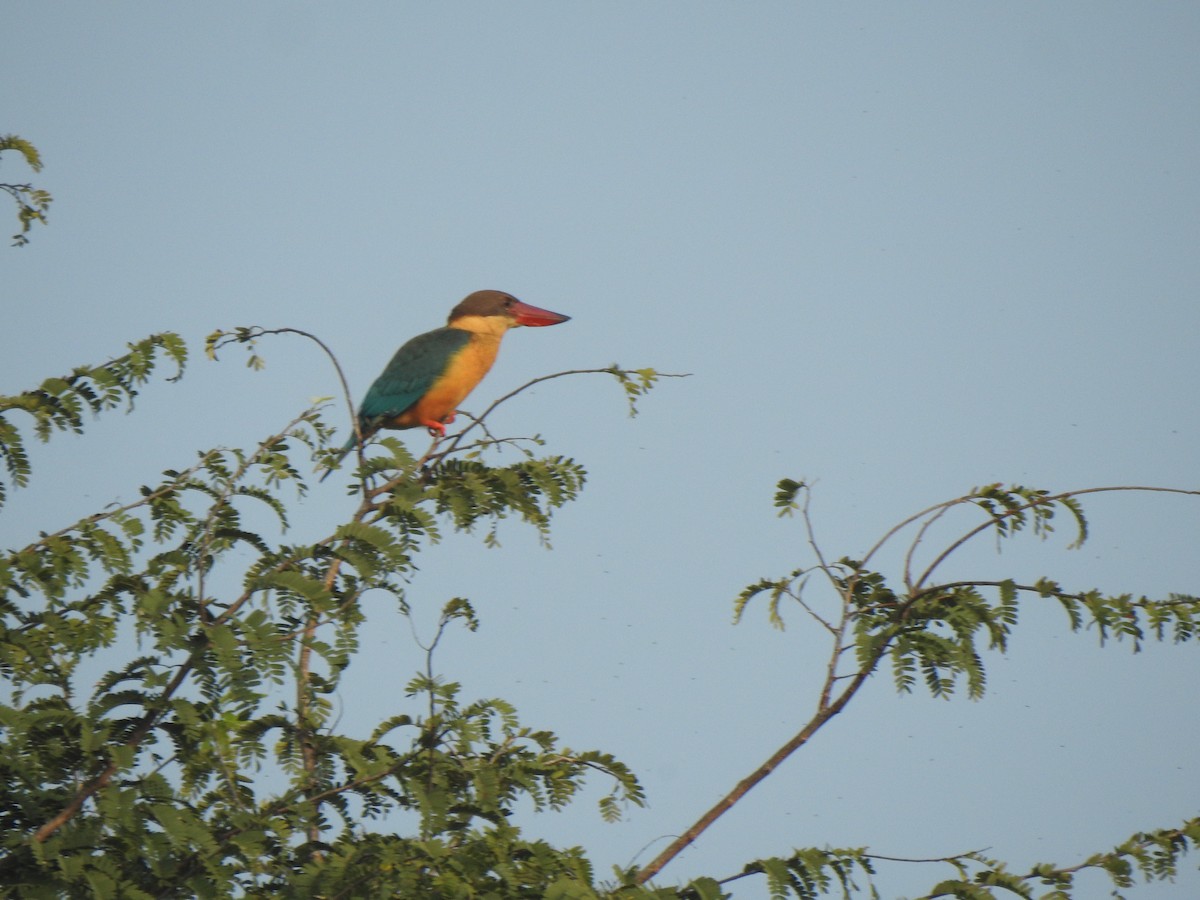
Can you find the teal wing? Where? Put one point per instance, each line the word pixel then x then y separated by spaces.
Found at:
pixel 412 372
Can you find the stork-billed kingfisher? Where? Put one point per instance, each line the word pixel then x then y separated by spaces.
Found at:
pixel 433 373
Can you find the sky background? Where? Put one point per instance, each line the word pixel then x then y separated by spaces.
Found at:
pixel 901 249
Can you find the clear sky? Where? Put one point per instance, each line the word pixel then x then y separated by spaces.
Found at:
pixel 902 249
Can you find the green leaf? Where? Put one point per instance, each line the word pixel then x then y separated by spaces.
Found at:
pixel 785 496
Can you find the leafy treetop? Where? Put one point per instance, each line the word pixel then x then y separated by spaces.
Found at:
pixel 209 760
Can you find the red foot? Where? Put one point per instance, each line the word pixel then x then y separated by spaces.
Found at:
pixel 438 429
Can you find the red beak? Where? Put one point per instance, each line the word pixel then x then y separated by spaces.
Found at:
pixel 535 317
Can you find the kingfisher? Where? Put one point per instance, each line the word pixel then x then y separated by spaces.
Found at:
pixel 434 372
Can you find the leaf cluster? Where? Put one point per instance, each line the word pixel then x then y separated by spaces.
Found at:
pixel 33 203
pixel 934 632
pixel 809 873
pixel 1154 855
pixel 59 404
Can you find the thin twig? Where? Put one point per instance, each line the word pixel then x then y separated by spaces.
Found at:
pixel 1040 501
pixel 925 526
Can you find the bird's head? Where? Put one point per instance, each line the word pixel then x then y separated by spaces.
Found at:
pixel 496 311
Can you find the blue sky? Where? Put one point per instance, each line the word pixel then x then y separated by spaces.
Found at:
pixel 901 249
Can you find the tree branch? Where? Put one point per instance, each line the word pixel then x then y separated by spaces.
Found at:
pixel 1041 501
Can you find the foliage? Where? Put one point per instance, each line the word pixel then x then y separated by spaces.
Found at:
pixel 209 762
pixel 32 203
pixel 58 404
pixel 154 782
pixel 934 633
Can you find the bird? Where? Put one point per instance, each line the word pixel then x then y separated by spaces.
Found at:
pixel 434 372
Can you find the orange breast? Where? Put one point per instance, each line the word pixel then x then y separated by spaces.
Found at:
pixel 465 371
